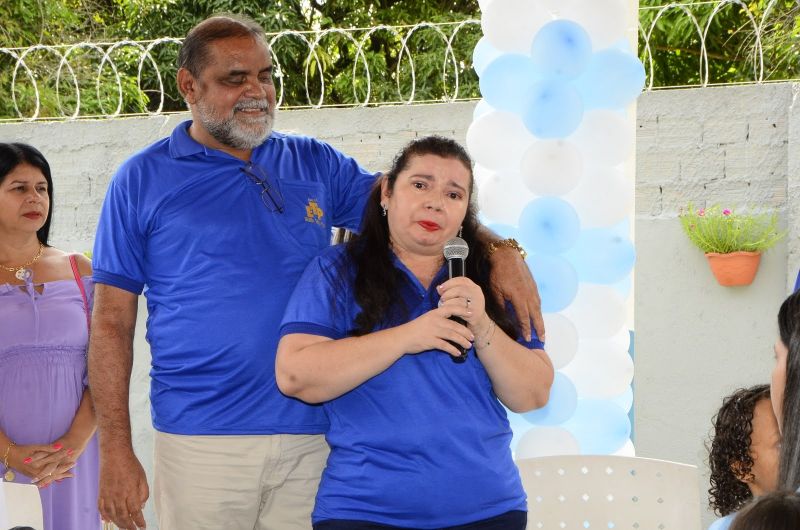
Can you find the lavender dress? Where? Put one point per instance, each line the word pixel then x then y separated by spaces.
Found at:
pixel 42 378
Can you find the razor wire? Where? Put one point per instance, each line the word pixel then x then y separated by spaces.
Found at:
pixel 99 70
pixel 104 75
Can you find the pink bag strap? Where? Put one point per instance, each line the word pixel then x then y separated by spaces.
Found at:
pixel 79 281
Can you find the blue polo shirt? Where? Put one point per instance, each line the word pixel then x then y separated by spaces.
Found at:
pixel 182 222
pixel 424 444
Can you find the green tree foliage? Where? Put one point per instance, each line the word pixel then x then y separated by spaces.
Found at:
pixel 336 71
pixel 675 43
pixel 64 22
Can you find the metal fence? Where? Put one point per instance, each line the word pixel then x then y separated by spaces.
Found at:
pixel 66 76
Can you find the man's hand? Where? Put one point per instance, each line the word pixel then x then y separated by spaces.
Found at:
pixel 512 280
pixel 123 489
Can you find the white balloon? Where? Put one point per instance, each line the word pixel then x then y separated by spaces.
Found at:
pixel 605 138
pixel 625 399
pixel 604 197
pixel 510 25
pixel 600 371
pixel 606 22
pixel 483 4
pixel 551 167
pixel 627 449
pixel 502 198
pixel 598 311
pixel 497 140
pixel 480 109
pixel 622 340
pixel 562 339
pixel 547 441
pixel 481 175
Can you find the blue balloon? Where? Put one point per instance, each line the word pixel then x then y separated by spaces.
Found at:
pixel 561 49
pixel 600 426
pixel 612 80
pixel 483 54
pixel 561 405
pixel 549 225
pixel 554 109
pixel 507 82
pixel 602 255
pixel 624 286
pixel 556 279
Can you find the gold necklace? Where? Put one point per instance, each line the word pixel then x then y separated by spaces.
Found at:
pixel 22 272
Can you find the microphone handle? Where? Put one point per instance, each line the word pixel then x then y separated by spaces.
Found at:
pixel 455 268
pixel 463 357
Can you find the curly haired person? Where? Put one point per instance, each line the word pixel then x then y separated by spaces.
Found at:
pixel 743 457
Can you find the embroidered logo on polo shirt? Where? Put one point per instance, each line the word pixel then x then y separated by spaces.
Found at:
pixel 314 213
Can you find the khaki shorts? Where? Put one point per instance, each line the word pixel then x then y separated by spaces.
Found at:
pixel 237 482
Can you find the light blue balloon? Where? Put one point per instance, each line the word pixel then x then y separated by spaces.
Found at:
pixel 612 80
pixel 624 286
pixel 556 279
pixel 554 109
pixel 561 405
pixel 507 82
pixel 561 49
pixel 549 225
pixel 483 54
pixel 600 426
pixel 602 255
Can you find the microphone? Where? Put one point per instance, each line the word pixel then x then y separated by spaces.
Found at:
pixel 456 251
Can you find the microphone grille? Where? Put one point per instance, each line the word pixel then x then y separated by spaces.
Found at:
pixel 456 248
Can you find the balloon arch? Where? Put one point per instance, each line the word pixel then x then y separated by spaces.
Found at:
pixel 553 140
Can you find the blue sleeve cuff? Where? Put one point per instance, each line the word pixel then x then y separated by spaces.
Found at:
pixel 116 280
pixel 308 328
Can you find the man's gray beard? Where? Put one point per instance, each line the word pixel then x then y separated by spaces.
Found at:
pixel 228 131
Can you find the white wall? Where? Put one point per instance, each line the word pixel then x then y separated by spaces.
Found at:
pixel 695 340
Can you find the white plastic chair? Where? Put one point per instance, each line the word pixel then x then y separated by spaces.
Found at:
pixel 610 492
pixel 20 505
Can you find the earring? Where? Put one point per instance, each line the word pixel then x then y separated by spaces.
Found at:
pixel 460 230
pixel 385 209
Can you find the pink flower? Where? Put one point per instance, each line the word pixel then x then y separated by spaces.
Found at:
pixel 701 212
pixel 726 212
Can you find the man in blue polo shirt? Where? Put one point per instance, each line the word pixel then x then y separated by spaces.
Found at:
pixel 215 224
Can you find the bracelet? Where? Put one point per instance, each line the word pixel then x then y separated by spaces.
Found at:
pixel 510 243
pixel 490 334
pixel 9 475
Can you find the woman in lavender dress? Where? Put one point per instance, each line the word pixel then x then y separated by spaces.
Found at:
pixel 47 423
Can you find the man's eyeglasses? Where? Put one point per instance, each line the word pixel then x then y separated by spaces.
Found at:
pixel 270 195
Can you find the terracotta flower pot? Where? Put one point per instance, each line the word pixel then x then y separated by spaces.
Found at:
pixel 735 268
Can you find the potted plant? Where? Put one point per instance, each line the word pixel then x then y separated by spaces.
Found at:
pixel 732 241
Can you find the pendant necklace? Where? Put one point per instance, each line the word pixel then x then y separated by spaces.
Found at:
pixel 22 272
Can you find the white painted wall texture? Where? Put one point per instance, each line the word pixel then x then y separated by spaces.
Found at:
pixel 695 341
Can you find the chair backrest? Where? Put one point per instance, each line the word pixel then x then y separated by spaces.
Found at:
pixel 610 492
pixel 20 505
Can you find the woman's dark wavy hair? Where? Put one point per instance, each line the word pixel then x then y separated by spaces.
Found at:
pixel 789 331
pixel 729 457
pixel 377 280
pixel 779 510
pixel 14 154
